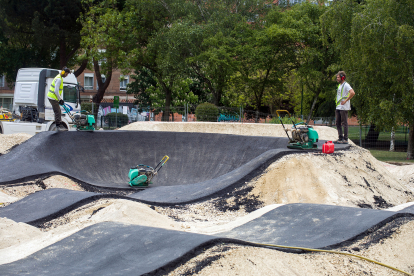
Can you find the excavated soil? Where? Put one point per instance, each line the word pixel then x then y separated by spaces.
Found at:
pixel 348 178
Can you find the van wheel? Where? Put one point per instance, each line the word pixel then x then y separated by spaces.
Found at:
pixel 1 130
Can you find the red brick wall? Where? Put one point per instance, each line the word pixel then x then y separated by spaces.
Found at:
pixel 112 90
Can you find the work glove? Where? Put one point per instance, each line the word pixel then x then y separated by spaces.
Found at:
pixel 61 102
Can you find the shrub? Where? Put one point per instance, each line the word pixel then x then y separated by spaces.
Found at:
pixel 285 120
pixel 86 106
pixel 206 112
pixel 122 119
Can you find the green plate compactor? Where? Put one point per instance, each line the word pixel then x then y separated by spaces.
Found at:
pixel 81 121
pixel 141 175
pixel 303 135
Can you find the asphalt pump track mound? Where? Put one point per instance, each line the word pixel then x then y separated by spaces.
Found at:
pixel 110 248
pixel 201 164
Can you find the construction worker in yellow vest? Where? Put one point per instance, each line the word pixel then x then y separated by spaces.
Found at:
pixel 55 97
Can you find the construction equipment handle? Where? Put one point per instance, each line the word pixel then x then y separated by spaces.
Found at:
pixel 163 161
pixel 68 112
pixel 285 111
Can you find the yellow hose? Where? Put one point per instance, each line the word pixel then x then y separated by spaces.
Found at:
pixel 335 252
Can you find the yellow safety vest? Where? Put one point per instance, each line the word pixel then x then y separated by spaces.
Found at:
pixel 342 98
pixel 51 93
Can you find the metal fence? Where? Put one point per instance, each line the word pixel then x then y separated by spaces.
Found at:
pixel 362 135
pixel 367 137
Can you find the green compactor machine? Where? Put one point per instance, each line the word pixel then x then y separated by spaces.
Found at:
pixel 304 136
pixel 141 175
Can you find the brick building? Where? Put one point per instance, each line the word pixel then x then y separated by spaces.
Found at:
pixel 117 87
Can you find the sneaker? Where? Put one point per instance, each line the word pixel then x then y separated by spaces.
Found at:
pixel 345 141
pixel 339 141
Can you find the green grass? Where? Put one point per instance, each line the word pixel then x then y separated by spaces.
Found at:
pixel 383 155
pixel 353 133
pixel 389 156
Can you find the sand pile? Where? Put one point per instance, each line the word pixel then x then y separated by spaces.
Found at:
pixel 405 174
pixel 12 233
pixel 5 198
pixel 349 178
pixel 20 190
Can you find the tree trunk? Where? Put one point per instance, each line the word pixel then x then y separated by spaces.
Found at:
pixel 258 105
pixel 168 99
pixel 312 108
pixel 410 149
pixel 372 135
pixel 166 114
pixel 219 91
pixel 81 68
pixel 392 141
pixel 217 96
pixel 102 86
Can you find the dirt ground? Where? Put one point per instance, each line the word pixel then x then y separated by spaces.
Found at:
pixel 351 178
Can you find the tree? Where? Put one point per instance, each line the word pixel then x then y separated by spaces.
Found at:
pixel 265 59
pixel 151 36
pixel 225 26
pixel 379 59
pixel 143 79
pixel 181 96
pixel 188 40
pixel 317 60
pixel 39 34
pixel 103 33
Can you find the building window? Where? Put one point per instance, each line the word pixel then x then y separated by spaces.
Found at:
pixel 88 81
pixel 6 103
pixel 103 81
pixel 124 80
pixel 2 81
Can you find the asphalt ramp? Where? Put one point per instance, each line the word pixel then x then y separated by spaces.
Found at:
pixel 200 164
pixel 110 248
pixel 103 158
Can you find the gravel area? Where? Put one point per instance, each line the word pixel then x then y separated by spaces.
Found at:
pixel 9 141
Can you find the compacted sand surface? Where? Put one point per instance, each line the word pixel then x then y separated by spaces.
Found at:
pixel 349 178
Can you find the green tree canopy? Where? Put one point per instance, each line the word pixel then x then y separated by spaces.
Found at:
pixel 317 60
pixel 103 40
pixel 38 34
